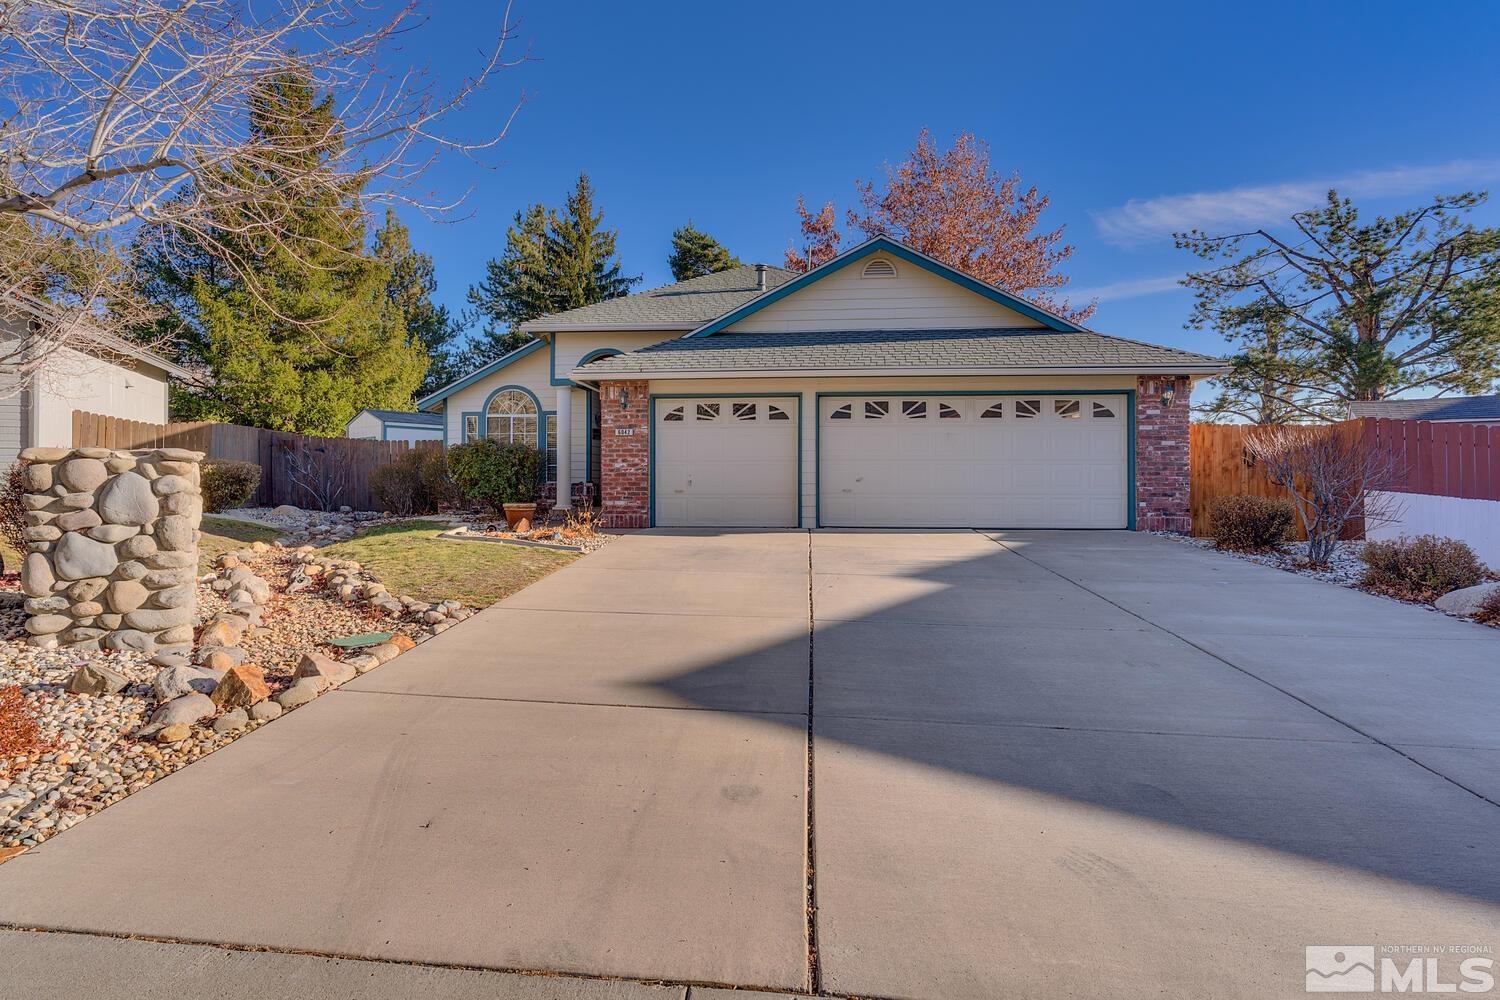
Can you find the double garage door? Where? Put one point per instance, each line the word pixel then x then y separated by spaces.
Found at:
pixel 1016 461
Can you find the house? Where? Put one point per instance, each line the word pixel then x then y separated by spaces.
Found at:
pixel 92 371
pixel 394 425
pixel 882 389
pixel 1449 409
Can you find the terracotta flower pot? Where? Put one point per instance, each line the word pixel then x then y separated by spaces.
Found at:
pixel 518 515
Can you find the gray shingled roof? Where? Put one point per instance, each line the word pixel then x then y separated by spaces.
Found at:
pixel 686 304
pixel 402 416
pixel 864 349
pixel 1452 408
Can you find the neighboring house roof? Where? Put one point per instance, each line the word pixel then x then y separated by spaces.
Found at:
pixel 403 417
pixel 884 244
pixel 685 305
pixel 1451 408
pixel 924 351
pixel 92 340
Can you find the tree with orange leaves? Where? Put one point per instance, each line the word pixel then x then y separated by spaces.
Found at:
pixel 820 238
pixel 952 205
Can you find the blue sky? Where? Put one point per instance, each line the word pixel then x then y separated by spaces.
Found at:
pixel 1136 118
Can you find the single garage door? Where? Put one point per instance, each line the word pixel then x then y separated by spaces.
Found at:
pixel 1033 461
pixel 729 462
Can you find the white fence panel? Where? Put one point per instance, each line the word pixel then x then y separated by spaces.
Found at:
pixel 1475 521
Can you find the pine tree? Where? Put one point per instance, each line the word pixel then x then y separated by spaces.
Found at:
pixel 517 286
pixel 583 256
pixel 410 288
pixel 695 253
pixel 309 335
pixel 551 262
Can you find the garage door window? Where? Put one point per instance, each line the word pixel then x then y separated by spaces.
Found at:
pixel 774 412
pixel 674 415
pixel 877 409
pixel 845 412
pixel 946 412
pixel 1067 409
pixel 993 412
pixel 1028 408
pixel 745 411
pixel 1102 412
pixel 708 411
pixel 914 409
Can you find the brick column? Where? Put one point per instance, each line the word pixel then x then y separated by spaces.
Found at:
pixel 1161 455
pixel 625 454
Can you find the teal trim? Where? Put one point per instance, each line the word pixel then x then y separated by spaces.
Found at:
pixel 890 246
pixel 651 443
pixel 481 373
pixel 1129 394
pixel 485 409
pixel 463 424
pixel 594 355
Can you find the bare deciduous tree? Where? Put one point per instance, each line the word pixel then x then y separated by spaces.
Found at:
pixel 317 472
pixel 120 115
pixel 1333 476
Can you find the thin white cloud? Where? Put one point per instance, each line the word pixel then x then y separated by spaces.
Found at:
pixel 1145 219
pixel 1132 288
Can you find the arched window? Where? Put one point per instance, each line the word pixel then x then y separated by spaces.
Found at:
pixel 511 417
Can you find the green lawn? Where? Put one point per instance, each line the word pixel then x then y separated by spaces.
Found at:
pixel 410 559
pixel 221 534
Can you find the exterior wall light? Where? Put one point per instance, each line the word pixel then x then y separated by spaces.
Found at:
pixel 1168 394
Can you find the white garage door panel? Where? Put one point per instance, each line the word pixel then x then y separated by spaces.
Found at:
pixel 729 462
pixel 1044 461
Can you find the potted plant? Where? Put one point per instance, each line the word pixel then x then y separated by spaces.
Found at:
pixel 502 476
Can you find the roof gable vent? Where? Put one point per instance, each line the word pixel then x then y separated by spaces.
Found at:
pixel 878 268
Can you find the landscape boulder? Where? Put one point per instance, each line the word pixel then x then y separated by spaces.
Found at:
pixel 1466 602
pixel 97 679
pixel 243 685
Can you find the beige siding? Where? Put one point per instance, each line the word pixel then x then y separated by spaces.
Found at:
pixel 807 390
pixel 913 299
pixel 70 380
pixel 530 372
pixel 572 348
pixel 365 426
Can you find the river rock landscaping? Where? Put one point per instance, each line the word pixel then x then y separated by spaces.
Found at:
pixel 111 722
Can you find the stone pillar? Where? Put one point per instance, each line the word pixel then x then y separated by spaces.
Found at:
pixel 625 454
pixel 111 547
pixel 1162 475
pixel 564 408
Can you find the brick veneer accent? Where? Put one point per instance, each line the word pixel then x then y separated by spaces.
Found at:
pixel 1161 455
pixel 625 459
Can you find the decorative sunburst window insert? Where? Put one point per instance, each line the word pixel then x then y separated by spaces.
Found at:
pixel 1028 408
pixel 1102 412
pixel 744 411
pixel 877 409
pixel 914 409
pixel 844 412
pixel 674 415
pixel 708 411
pixel 993 412
pixel 1067 409
pixel 946 412
pixel 774 412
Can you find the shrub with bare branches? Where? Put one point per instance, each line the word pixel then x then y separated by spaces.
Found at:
pixel 13 511
pixel 1332 476
pixel 117 116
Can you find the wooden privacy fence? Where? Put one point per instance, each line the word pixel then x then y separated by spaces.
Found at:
pixel 304 471
pixel 1439 459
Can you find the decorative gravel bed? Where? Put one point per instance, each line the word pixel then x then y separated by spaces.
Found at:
pixel 1343 569
pixel 91 754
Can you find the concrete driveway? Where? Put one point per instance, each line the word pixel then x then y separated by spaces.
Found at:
pixel 1018 763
